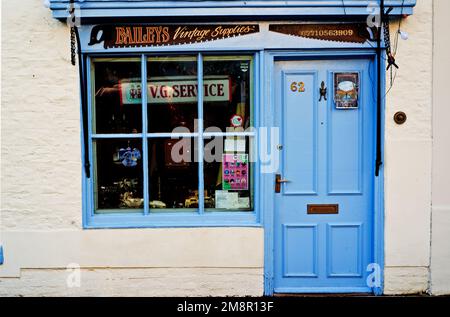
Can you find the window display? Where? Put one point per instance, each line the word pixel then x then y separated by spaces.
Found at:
pixel 173 173
pixel 234 111
pixel 229 182
pixel 155 169
pixel 114 111
pixel 118 175
pixel 172 93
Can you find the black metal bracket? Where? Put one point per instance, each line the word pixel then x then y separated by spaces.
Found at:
pixel 72 32
pixel 82 66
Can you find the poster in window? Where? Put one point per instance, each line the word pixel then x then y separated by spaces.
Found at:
pixel 346 90
pixel 235 172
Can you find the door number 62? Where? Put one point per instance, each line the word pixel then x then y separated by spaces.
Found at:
pixel 298 86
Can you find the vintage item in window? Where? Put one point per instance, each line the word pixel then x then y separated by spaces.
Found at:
pixel 109 196
pixel 127 157
pixel 346 90
pixel 127 184
pixel 209 202
pixel 157 204
pixel 128 201
pixel 192 201
pixel 123 194
pixel 235 171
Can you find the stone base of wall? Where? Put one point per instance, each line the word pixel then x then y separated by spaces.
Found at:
pixel 136 282
pixel 405 280
pixel 440 252
pixel 173 282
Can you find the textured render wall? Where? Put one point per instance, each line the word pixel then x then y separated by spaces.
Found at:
pixel 440 242
pixel 41 192
pixel 41 185
pixel 136 282
pixel 408 159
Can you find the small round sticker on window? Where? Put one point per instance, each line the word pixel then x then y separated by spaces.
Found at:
pixel 236 121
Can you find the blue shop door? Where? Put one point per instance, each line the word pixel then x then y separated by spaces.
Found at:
pixel 324 211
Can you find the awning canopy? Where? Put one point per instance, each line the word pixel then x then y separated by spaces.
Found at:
pixel 224 9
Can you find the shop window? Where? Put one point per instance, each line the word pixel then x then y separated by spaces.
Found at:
pixel 162 149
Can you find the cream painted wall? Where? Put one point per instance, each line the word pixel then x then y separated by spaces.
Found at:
pixel 440 243
pixel 408 158
pixel 41 193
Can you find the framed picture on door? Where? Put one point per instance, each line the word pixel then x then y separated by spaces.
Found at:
pixel 346 90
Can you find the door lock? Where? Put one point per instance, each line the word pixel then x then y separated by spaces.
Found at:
pixel 278 182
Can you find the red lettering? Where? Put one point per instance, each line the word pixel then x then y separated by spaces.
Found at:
pixel 183 90
pixel 211 91
pixel 191 92
pixel 153 91
pixel 220 90
pixel 164 92
pixel 205 88
pixel 176 91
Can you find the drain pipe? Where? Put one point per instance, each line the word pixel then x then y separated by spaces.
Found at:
pixel 378 161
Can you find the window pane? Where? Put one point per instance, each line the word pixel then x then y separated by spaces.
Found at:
pixel 117 101
pixel 118 175
pixel 227 85
pixel 173 174
pixel 172 93
pixel 228 174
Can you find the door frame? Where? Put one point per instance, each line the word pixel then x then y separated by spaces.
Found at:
pixel 267 119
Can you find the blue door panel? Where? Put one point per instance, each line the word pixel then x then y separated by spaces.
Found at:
pixel 300 251
pixel 344 252
pixel 327 157
pixel 302 134
pixel 345 144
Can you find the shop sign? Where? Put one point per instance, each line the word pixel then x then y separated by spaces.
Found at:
pixel 350 32
pixel 177 90
pixel 121 36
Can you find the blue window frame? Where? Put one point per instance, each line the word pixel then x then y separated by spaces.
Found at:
pixel 143 211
